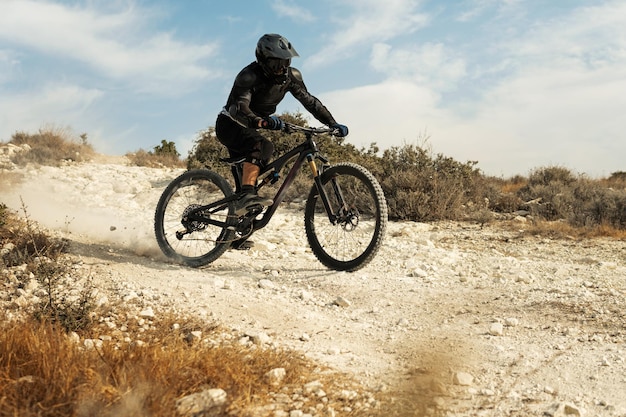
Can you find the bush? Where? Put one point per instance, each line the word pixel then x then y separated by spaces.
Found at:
pixel 163 155
pixel 51 146
pixel 424 187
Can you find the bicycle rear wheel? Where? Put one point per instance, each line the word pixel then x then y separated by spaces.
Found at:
pixel 192 242
pixel 358 203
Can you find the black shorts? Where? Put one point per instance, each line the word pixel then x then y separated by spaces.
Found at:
pixel 243 141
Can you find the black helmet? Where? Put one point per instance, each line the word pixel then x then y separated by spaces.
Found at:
pixel 274 53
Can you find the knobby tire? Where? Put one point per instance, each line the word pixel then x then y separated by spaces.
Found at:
pixel 354 239
pixel 205 243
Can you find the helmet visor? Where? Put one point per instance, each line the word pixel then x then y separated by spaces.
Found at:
pixel 278 66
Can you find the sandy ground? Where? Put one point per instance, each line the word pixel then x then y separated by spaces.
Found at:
pixel 469 320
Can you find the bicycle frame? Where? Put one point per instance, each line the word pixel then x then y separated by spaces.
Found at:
pixel 306 150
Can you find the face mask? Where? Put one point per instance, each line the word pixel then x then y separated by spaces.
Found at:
pixel 278 66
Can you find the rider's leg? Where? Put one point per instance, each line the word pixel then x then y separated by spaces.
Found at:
pixel 250 173
pixel 249 197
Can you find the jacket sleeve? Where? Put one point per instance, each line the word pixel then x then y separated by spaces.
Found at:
pixel 311 103
pixel 239 99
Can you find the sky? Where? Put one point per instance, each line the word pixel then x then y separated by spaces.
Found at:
pixel 515 85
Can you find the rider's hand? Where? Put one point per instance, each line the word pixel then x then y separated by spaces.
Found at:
pixel 342 130
pixel 273 123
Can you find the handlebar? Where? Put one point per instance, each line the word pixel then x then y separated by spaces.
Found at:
pixel 290 128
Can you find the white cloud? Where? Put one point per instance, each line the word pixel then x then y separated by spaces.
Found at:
pixel 8 63
pixel 427 64
pixel 112 43
pixel 289 9
pixel 370 21
pixel 59 104
pixel 396 111
pixel 560 102
pixel 474 9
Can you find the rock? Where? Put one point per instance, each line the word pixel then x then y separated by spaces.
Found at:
pixel 275 376
pixel 258 338
pixel 266 284
pixel 148 313
pixel 342 302
pixel 511 321
pixel 496 329
pixel 564 410
pixel 207 403
pixel 463 378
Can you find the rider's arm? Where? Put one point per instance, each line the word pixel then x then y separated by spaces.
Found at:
pixel 241 96
pixel 311 103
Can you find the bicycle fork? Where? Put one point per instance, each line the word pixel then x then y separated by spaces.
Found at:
pixel 332 217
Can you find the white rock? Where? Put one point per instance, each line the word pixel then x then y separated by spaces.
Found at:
pixel 564 410
pixel 275 376
pixel 511 321
pixel 496 329
pixel 147 313
pixel 463 378
pixel 266 284
pixel 207 402
pixel 342 302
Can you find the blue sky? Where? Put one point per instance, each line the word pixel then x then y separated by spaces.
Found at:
pixel 512 84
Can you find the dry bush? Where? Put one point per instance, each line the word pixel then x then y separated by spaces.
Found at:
pixel 557 194
pixel 44 373
pixel 143 158
pixel 564 230
pixel 164 155
pixel 425 187
pixel 617 180
pixel 51 146
pixel 27 242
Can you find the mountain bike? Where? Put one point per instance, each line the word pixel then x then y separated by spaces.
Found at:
pixel 345 215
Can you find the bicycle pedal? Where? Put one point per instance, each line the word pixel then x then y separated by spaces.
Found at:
pixel 255 209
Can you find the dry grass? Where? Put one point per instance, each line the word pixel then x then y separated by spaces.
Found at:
pixel 144 158
pixel 52 146
pixel 44 373
pixel 564 230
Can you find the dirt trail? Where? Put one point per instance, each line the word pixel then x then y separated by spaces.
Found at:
pixel 474 321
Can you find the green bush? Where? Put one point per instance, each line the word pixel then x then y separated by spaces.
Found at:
pixel 424 187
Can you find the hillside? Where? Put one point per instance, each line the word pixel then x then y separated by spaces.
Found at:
pixel 459 318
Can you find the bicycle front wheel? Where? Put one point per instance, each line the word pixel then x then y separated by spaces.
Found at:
pixel 349 238
pixel 194 242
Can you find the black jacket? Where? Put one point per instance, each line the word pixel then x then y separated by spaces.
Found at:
pixel 255 96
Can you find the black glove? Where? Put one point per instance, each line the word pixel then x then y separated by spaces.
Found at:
pixel 342 130
pixel 273 123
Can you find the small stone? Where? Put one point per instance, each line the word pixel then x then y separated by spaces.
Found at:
pixel 463 378
pixel 342 302
pixel 147 313
pixel 511 321
pixel 564 410
pixel 275 376
pixel 207 402
pixel 496 329
pixel 266 284
pixel 259 338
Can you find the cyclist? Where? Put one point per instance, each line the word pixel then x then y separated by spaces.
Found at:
pixel 256 92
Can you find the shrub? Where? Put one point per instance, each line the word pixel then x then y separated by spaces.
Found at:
pixel 424 187
pixel 51 146
pixel 163 155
